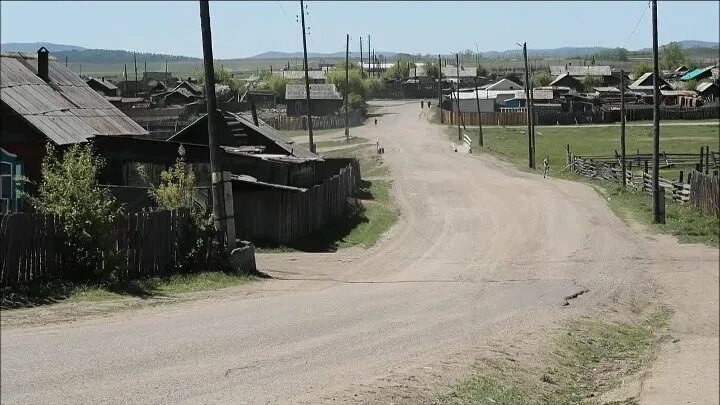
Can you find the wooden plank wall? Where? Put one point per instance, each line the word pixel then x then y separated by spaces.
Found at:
pixel 145 244
pixel 705 192
pixel 285 216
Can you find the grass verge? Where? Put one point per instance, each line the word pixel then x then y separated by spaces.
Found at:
pixel 65 291
pixel 588 359
pixel 684 221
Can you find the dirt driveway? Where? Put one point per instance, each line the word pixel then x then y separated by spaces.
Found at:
pixel 482 256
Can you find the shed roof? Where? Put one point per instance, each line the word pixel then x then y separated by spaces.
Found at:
pixel 503 84
pixel 191 87
pixel 694 74
pixel 564 76
pixel 607 89
pixel 646 80
pixel 704 86
pixel 300 74
pixel 66 109
pixel 104 83
pixel 451 71
pixel 581 70
pixel 317 92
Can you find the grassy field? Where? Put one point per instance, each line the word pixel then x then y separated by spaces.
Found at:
pixel 685 222
pixel 588 358
pixel 54 292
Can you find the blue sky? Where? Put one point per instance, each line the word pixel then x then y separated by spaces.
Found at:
pixel 242 29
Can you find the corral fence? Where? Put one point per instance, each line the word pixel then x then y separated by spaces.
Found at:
pixel 700 189
pixel 554 117
pixel 287 215
pixel 144 244
pixel 289 123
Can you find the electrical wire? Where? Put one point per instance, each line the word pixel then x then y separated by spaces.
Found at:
pixel 636 25
pixel 284 13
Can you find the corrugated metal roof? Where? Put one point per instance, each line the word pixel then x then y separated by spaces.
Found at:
pixel 704 86
pixel 66 110
pixel 561 77
pixel 317 92
pixel 192 88
pixel 581 70
pixel 693 74
pixel 503 84
pixel 300 74
pixel 607 89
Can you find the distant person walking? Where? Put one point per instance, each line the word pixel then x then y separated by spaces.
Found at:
pixel 422 104
pixel 428 104
pixel 375 121
pixel 546 167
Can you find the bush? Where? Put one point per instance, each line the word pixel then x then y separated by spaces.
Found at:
pixel 591 81
pixel 691 85
pixel 277 85
pixel 542 79
pixel 641 69
pixel 69 189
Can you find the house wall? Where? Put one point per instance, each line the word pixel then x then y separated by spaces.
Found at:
pixel 19 138
pixel 470 105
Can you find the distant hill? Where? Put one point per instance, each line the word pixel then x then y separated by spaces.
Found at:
pixel 103 56
pixel 32 47
pixel 692 45
pixel 314 55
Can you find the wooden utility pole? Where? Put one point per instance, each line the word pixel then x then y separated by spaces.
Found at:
pixel 166 70
pixel 457 66
pixel 125 87
pixel 213 119
pixel 369 58
pixel 347 86
pixel 531 161
pixel 66 61
pixel 136 78
pixel 145 78
pixel 439 86
pixel 477 100
pixel 361 58
pixel 658 206
pixel 307 80
pixel 622 128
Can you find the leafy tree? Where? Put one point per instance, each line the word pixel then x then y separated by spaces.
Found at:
pixel 542 79
pixel 433 71
pixel 691 85
pixel 277 85
pixel 590 81
pixel 356 83
pixel 641 69
pixel 69 189
pixel 513 77
pixel 399 70
pixel 673 55
pixel 481 71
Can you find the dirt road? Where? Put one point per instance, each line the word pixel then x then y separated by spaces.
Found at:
pixel 483 255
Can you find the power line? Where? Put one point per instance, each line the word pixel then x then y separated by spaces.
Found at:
pixel 636 25
pixel 284 13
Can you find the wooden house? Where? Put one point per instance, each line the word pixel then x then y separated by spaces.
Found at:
pixel 43 101
pixel 324 98
pixel 567 80
pixel 709 91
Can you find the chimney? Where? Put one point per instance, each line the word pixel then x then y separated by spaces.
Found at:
pixel 103 78
pixel 42 64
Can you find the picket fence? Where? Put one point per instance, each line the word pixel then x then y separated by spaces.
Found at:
pixel 145 244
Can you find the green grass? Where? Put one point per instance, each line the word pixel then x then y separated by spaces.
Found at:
pixel 587 359
pixel 59 291
pixel 683 221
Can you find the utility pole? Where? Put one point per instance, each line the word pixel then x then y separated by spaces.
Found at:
pixel 369 58
pixel 361 58
pixel 439 86
pixel 477 100
pixel 658 207
pixel 347 86
pixel 307 80
pixel 218 199
pixel 531 161
pixel 145 73
pixel 125 89
pixel 166 70
pixel 136 78
pixel 66 61
pixel 457 66
pixel 622 128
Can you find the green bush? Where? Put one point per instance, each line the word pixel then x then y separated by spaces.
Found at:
pixel 69 189
pixel 542 79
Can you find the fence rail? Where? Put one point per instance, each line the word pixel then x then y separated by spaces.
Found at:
pixel 284 122
pixel 146 244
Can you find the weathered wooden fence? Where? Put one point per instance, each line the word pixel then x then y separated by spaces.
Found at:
pixel 705 192
pixel 285 216
pixel 142 244
pixel 554 117
pixel 284 122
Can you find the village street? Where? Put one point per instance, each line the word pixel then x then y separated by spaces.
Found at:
pixel 481 260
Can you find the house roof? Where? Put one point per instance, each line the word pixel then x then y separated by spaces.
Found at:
pixel 317 92
pixel 300 74
pixel 693 74
pixel 104 83
pixel 243 124
pixel 503 84
pixel 646 80
pixel 704 86
pixel 191 87
pixel 183 92
pixel 688 93
pixel 465 71
pixel 607 89
pixel 66 110
pixel 581 70
pixel 562 77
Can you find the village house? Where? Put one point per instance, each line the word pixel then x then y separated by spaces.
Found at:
pixel 568 81
pixel 644 84
pixel 44 101
pixel 503 84
pixel 698 74
pixel 709 91
pixel 324 97
pixel 467 75
pixel 156 76
pixel 315 76
pixel 103 86
pixel 604 73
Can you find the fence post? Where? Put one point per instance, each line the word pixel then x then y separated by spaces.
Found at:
pixel 229 210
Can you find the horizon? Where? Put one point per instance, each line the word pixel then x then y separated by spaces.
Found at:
pixel 508 23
